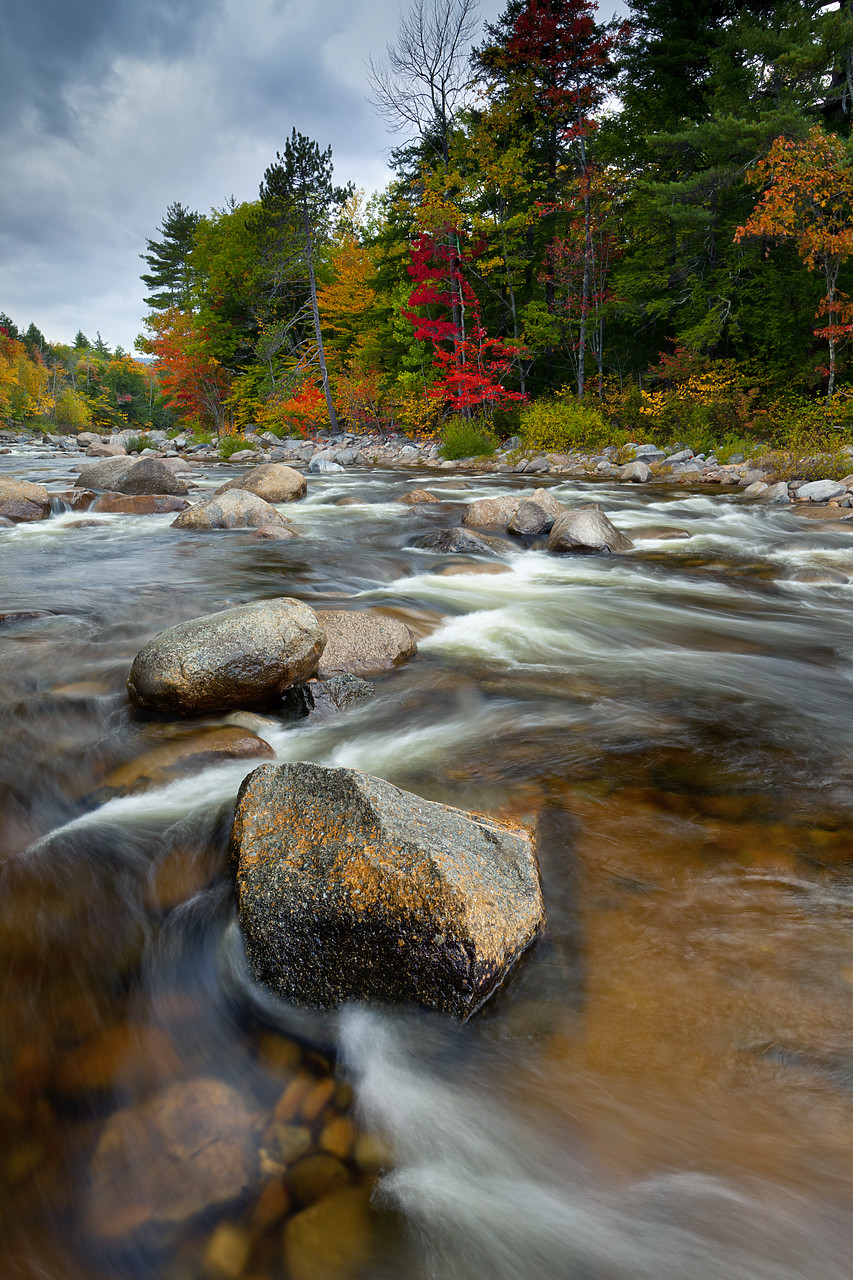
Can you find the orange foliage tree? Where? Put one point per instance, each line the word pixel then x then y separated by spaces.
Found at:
pixel 192 379
pixel 809 199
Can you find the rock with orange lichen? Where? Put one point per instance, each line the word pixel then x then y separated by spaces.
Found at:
pixel 351 889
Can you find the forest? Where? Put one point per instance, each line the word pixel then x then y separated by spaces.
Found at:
pixel 620 229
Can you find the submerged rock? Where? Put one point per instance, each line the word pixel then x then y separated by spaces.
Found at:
pixel 330 1240
pixel 189 1148
pixel 243 657
pixel 152 504
pixel 21 501
pixel 183 756
pixel 586 531
pixel 272 481
pixel 349 888
pixel 363 643
pixel 235 509
pixel 458 540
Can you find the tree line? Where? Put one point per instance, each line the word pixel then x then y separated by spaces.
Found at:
pixel 650 219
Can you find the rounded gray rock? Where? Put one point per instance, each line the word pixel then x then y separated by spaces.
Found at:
pixel 243 657
pixel 21 501
pixel 586 531
pixel 363 643
pixel 273 481
pixel 234 509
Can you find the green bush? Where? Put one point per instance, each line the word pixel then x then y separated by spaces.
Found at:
pixel 233 444
pixel 462 438
pixel 563 423
pixel 135 444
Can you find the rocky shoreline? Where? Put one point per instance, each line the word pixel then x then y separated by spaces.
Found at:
pixel 639 463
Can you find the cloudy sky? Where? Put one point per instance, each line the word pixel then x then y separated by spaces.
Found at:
pixel 112 109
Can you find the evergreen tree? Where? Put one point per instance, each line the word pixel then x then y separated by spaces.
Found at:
pixel 297 199
pixel 170 275
pixel 81 342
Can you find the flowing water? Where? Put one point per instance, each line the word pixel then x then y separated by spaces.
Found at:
pixel 663 1090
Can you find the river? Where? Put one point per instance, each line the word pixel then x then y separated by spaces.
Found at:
pixel 664 1088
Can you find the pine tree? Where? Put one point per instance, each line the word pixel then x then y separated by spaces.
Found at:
pixel 297 198
pixel 170 277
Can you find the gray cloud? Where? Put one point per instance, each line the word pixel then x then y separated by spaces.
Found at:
pixel 113 109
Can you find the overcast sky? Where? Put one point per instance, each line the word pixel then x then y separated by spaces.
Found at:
pixel 112 109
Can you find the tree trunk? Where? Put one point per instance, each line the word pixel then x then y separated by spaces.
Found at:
pixel 309 253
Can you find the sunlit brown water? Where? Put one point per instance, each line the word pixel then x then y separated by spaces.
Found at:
pixel 665 1087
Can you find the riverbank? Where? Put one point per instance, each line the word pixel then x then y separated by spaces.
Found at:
pixel 663 1088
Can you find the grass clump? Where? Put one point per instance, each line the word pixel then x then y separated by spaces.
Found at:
pixel 462 438
pixel 229 445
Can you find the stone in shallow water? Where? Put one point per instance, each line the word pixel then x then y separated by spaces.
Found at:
pixel 188 1149
pixel 363 643
pixel 272 481
pixel 243 657
pixel 349 888
pixel 585 531
pixel 331 1240
pixel 21 501
pixel 459 541
pixel 234 509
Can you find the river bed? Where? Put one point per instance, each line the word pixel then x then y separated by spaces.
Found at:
pixel 663 1089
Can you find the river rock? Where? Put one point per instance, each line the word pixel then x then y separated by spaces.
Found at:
pixel 586 531
pixel 638 472
pixel 821 491
pixel 76 499
pixel 106 449
pixel 235 509
pixel 755 490
pixel 273 481
pixel 275 532
pixel 331 1240
pixel 532 518
pixel 105 474
pixel 21 501
pixel 458 540
pixel 150 475
pixel 351 889
pixel 188 1149
pixel 492 513
pixel 153 504
pixel 416 497
pixel 776 494
pixel 324 698
pixel 243 657
pixel 182 756
pixel 363 643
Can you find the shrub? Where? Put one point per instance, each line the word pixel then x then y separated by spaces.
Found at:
pixel 135 444
pixel 564 423
pixel 462 438
pixel 233 444
pixel 795 464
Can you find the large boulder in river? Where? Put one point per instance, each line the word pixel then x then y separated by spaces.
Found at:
pixel 363 643
pixel 243 657
pixel 235 509
pixel 274 482
pixel 492 513
pixel 535 515
pixel 104 474
pixel 351 889
pixel 584 531
pixel 150 475
pixel 21 501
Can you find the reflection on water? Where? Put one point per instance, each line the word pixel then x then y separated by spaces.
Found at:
pixel 665 1088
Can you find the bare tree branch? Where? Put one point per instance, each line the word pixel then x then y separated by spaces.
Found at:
pixel 426 74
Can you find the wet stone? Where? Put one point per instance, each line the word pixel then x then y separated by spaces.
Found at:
pixel 272 481
pixel 459 541
pixel 330 1240
pixel 21 501
pixel 314 1177
pixel 189 1148
pixel 349 888
pixel 363 643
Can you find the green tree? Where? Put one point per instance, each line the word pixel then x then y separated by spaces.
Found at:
pixel 297 201
pixel 170 274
